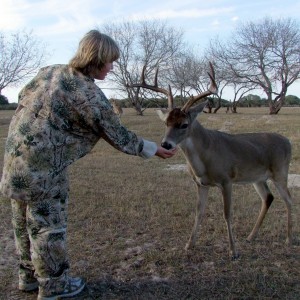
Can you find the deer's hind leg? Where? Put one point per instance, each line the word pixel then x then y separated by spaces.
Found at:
pixel 227 201
pixel 267 199
pixel 286 196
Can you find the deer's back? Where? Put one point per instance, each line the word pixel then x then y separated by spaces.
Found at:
pixel 240 158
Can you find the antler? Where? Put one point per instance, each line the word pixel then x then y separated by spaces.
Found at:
pixel 212 90
pixel 155 87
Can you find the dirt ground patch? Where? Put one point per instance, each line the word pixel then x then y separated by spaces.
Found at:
pixel 129 220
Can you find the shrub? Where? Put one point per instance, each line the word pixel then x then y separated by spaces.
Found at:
pixel 3 100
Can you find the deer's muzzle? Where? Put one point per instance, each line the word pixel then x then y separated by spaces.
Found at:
pixel 166 145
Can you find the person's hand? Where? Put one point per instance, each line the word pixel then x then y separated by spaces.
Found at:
pixel 164 153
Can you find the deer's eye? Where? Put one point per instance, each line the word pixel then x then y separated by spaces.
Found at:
pixel 184 126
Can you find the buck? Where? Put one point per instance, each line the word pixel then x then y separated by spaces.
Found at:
pixel 219 159
pixel 117 108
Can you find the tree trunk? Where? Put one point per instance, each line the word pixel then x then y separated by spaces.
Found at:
pixel 218 105
pixel 138 109
pixel 274 110
pixel 208 107
pixel 275 106
pixel 234 109
pixel 133 96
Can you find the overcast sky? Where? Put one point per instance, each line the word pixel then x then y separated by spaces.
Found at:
pixel 62 23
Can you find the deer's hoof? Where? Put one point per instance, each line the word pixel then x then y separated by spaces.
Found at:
pixel 288 242
pixel 250 238
pixel 188 246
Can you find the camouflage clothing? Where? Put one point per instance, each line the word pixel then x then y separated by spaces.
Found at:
pixel 61 116
pixel 40 235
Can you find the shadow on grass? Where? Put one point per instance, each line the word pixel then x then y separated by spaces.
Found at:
pixel 205 288
pixel 144 290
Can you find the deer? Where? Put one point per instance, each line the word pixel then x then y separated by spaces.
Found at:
pixel 117 108
pixel 220 159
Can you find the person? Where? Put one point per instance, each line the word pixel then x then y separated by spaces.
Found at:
pixel 61 115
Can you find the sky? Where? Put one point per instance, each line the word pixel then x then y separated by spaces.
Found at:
pixel 60 24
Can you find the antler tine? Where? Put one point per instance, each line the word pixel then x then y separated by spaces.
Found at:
pixel 211 90
pixel 213 86
pixel 170 99
pixel 154 87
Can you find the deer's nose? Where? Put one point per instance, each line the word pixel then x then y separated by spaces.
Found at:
pixel 166 145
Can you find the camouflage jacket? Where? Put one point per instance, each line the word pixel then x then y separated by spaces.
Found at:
pixel 60 117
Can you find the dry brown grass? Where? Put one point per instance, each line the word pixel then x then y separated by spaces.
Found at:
pixel 129 220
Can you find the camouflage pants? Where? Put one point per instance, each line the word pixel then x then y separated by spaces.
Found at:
pixel 40 237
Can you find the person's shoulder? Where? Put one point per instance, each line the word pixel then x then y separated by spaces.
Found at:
pixel 54 67
pixel 51 69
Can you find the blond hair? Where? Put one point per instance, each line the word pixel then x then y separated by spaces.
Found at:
pixel 94 51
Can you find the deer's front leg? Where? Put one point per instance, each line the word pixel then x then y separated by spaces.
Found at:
pixel 202 192
pixel 226 192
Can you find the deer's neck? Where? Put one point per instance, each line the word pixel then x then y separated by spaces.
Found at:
pixel 195 148
pixel 198 137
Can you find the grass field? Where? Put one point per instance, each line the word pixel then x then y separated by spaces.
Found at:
pixel 129 220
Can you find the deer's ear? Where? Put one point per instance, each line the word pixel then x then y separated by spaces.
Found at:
pixel 197 109
pixel 162 113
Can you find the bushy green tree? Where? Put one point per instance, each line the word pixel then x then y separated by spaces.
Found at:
pixel 3 100
pixel 292 100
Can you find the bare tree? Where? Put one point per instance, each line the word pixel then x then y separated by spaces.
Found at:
pixel 149 43
pixel 185 68
pixel 189 76
pixel 222 80
pixel 226 79
pixel 266 54
pixel 21 55
pixel 240 89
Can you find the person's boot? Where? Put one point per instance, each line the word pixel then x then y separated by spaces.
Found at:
pixel 61 287
pixel 27 281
